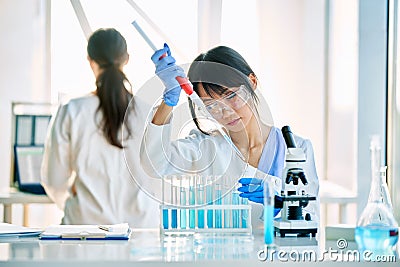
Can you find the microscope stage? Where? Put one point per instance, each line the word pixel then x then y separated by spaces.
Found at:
pixel 302 227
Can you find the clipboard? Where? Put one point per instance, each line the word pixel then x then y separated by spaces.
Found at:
pixel 86 232
pixel 8 230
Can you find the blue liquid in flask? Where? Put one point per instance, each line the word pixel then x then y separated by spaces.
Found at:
pixel 378 239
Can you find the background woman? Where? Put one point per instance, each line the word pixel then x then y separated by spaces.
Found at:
pixel 84 170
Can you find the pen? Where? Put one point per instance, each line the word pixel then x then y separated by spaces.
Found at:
pixel 105 228
pixel 114 227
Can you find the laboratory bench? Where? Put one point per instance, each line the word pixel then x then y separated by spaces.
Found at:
pixel 147 247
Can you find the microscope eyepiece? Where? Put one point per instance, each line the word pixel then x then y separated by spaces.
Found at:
pixel 288 136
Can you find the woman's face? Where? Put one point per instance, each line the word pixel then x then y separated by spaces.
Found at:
pixel 232 109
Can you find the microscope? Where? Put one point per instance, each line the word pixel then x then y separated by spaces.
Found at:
pixel 294 195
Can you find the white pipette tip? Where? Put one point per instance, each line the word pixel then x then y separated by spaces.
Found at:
pixel 143 34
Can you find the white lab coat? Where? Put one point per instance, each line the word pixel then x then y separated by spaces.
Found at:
pixel 211 155
pixel 76 152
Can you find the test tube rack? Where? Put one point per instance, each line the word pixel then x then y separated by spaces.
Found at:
pixel 196 204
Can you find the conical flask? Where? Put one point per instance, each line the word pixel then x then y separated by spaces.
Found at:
pixel 385 196
pixel 377 230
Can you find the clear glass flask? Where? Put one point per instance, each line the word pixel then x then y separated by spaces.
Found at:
pixel 384 189
pixel 377 230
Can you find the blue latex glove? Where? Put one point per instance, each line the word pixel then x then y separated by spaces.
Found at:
pixel 167 70
pixel 252 188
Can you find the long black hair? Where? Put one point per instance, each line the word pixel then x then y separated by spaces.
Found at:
pixel 216 71
pixel 107 47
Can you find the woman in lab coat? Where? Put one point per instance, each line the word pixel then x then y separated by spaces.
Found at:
pixel 83 169
pixel 227 86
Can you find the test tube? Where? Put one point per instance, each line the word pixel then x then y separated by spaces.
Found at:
pixel 174 211
pixel 245 212
pixel 209 200
pixel 165 217
pixel 200 202
pixel 228 212
pixel 163 207
pixel 235 212
pixel 183 205
pixel 218 201
pixel 268 212
pixel 192 202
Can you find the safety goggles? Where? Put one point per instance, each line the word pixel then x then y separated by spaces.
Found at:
pixel 235 99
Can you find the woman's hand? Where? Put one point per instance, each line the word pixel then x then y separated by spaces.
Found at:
pixel 253 189
pixel 167 71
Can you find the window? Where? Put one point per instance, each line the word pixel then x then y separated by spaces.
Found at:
pixel 71 73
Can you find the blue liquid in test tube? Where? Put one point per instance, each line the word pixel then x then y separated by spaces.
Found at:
pixel 269 196
pixel 209 200
pixel 218 212
pixel 183 211
pixel 165 218
pixel 174 220
pixel 200 211
pixel 268 224
pixel 174 212
pixel 192 202
pixel 164 212
pixel 245 213
pixel 235 213
pixel 228 212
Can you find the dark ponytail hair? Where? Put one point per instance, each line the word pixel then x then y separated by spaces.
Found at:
pixel 216 71
pixel 107 47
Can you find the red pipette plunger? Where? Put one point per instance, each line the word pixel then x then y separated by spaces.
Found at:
pixel 183 82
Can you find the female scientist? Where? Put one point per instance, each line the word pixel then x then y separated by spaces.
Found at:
pixel 83 169
pixel 226 84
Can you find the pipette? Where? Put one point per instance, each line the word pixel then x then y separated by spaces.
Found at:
pixel 187 87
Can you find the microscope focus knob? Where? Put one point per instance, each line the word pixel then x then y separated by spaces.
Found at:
pixel 308 217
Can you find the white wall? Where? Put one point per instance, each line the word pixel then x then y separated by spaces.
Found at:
pixel 292 67
pixel 21 66
pixel 342 97
pixel 22 79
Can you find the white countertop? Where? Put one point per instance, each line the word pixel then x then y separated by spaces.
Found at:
pixel 145 248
